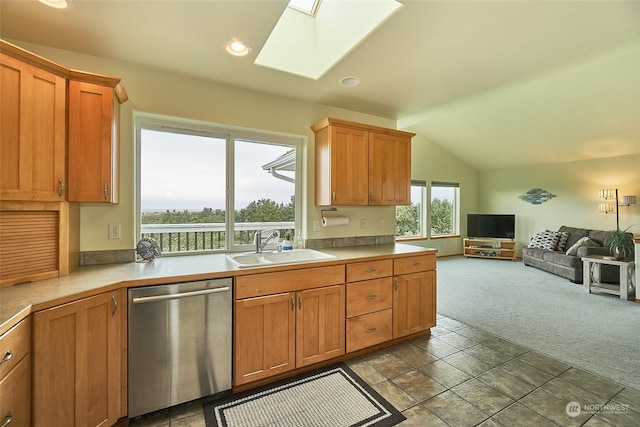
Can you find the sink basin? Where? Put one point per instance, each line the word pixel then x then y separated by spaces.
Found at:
pixel 252 259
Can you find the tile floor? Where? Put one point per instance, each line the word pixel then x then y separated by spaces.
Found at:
pixel 464 376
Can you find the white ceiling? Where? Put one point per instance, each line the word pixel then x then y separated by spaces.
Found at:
pixel 497 83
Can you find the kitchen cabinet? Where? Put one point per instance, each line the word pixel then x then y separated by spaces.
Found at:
pixel 264 337
pixel 93 143
pixel 358 164
pixel 15 375
pixel 77 362
pixel 369 304
pixel 414 296
pixel 32 129
pixel 303 323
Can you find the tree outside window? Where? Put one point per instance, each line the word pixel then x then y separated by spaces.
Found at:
pixel 444 209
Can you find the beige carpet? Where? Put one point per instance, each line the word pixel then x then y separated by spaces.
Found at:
pixel 596 332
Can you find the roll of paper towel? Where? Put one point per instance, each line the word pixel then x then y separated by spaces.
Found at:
pixel 330 221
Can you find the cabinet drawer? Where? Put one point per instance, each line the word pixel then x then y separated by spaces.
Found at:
pixel 369 329
pixel 15 392
pixel 255 285
pixel 369 270
pixel 414 264
pixel 369 296
pixel 14 345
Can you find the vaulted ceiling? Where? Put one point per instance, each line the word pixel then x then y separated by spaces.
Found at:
pixel 497 83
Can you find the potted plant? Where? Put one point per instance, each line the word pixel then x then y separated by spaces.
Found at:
pixel 287 243
pixel 620 243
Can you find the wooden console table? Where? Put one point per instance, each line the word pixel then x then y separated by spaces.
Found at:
pixel 592 277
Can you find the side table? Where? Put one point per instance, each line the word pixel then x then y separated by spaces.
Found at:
pixel 592 278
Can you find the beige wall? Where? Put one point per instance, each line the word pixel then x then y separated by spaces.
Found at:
pixel 575 185
pixel 156 91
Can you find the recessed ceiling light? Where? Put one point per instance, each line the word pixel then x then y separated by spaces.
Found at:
pixel 237 48
pixel 58 4
pixel 350 81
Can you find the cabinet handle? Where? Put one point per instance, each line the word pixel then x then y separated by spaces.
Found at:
pixel 6 357
pixel 61 185
pixel 417 264
pixel 106 190
pixel 299 301
pixel 370 297
pixel 115 305
pixel 333 197
pixel 8 419
pixel 395 282
pixel 370 330
pixel 293 302
pixel 371 270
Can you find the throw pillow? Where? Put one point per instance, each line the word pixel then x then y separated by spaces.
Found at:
pixel 562 241
pixel 545 240
pixel 584 241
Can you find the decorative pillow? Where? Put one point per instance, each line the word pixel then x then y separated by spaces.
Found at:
pixel 584 241
pixel 545 240
pixel 563 236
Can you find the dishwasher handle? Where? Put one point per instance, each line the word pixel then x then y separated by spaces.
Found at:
pixel 140 300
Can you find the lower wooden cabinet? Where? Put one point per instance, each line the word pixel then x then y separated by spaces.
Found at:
pixel 414 303
pixel 277 333
pixel 264 337
pixel 15 375
pixel 77 362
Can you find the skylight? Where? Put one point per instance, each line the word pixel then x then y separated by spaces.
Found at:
pixel 309 7
pixel 309 46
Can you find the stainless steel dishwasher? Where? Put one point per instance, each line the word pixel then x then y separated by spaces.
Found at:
pixel 179 343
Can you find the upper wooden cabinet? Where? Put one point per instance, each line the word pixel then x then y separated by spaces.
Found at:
pixel 93 143
pixel 32 130
pixel 358 164
pixel 35 162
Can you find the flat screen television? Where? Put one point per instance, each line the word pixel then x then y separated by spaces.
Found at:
pixel 499 226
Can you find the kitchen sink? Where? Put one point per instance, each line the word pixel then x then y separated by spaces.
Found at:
pixel 252 259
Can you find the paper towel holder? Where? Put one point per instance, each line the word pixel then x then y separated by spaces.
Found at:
pixel 327 210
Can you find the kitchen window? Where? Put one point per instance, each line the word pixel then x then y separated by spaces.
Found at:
pixel 203 188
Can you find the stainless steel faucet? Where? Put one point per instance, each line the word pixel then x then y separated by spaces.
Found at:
pixel 260 244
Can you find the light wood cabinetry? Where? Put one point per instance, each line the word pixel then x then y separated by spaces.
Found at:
pixel 369 304
pixel 358 164
pixel 32 129
pixel 414 296
pixel 93 154
pixel 490 248
pixel 15 375
pixel 300 326
pixel 77 362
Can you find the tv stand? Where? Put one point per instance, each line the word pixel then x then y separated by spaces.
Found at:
pixel 486 247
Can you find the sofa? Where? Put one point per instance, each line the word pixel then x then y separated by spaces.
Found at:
pixel 560 252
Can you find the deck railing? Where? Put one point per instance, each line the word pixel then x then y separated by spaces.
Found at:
pixel 176 238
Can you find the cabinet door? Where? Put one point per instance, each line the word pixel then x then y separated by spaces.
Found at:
pixel 32 130
pixel 77 363
pixel 264 337
pixel 389 170
pixel 320 324
pixel 414 303
pixel 349 168
pixel 92 143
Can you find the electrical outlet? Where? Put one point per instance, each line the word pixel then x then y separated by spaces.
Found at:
pixel 114 231
pixel 316 226
pixel 381 222
pixel 363 223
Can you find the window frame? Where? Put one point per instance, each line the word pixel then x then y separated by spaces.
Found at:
pixel 456 210
pixel 230 134
pixel 423 211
